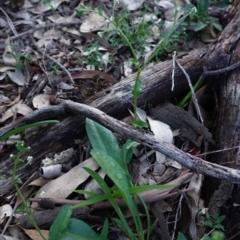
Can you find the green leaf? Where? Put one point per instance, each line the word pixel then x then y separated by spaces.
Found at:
pixel 103 139
pixel 79 230
pixel 198 26
pixel 127 150
pixel 92 201
pixel 137 88
pixel 217 25
pixel 104 231
pixel 121 179
pixel 208 223
pixel 139 124
pixel 23 128
pixel 220 219
pixel 91 194
pixel 181 236
pixel 60 223
pixel 218 226
pixel 202 7
pixel 107 192
pixel 112 168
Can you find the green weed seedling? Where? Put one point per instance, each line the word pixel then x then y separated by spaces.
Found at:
pixel 17 159
pixel 200 19
pixel 113 160
pixel 19 58
pixel 55 70
pixel 94 58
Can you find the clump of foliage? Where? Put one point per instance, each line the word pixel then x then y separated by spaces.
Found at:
pixel 200 19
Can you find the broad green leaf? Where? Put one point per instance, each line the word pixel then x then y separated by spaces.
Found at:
pixel 198 26
pixel 202 6
pixel 60 223
pixel 217 25
pixel 79 230
pixel 220 218
pixel 121 179
pixel 112 168
pixel 208 223
pixel 102 139
pixel 23 128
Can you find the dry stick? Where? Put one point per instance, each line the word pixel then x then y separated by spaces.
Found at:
pixel 10 24
pixel 195 101
pixel 179 210
pixel 191 162
pixel 52 59
pixel 173 71
pixel 32 30
pixel 207 73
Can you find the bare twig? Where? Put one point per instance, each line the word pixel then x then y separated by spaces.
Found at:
pixel 194 98
pixel 174 66
pixel 191 162
pixel 207 73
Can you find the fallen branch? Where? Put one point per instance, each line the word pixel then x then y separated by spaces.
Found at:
pixel 191 162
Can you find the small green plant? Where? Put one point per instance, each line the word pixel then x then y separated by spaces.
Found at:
pixel 199 19
pixel 17 159
pixel 19 58
pixel 55 70
pixel 113 160
pixel 94 58
pixel 215 224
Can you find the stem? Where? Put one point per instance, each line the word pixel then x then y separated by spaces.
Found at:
pixel 28 211
pixel 17 160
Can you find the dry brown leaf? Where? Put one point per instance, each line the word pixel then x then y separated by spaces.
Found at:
pixel 20 108
pixel 33 234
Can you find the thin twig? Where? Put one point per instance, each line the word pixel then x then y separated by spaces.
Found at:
pixel 10 23
pixel 194 98
pixel 178 212
pixel 174 66
pixel 52 59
